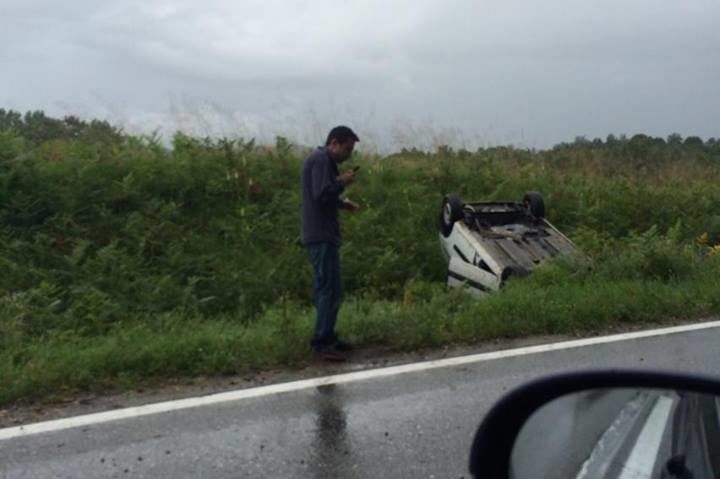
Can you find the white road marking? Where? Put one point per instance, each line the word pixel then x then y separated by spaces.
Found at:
pixel 132 412
pixel 607 447
pixel 641 463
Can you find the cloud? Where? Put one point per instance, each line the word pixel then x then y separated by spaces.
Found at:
pixel 501 71
pixel 255 40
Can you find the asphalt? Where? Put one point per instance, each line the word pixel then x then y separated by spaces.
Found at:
pixel 417 424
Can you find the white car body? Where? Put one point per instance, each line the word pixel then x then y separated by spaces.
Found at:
pixel 493 241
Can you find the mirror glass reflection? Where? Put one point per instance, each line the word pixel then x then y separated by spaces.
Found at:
pixel 621 434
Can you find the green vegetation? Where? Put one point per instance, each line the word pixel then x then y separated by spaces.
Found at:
pixel 125 261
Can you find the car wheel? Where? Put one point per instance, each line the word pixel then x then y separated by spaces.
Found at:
pixel 535 204
pixel 451 211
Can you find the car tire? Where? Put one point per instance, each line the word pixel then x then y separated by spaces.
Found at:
pixel 451 211
pixel 535 204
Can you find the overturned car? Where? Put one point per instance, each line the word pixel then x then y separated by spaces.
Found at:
pixel 486 243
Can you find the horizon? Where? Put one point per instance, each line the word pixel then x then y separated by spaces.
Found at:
pixel 167 138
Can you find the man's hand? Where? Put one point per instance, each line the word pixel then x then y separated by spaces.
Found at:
pixel 350 205
pixel 347 177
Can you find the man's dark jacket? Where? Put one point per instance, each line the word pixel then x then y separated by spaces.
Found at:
pixel 321 201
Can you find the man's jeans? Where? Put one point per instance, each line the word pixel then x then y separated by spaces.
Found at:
pixel 325 260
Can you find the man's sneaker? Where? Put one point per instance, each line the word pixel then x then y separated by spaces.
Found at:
pixel 341 345
pixel 330 353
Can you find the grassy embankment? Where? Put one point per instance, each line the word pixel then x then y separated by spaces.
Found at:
pixel 123 261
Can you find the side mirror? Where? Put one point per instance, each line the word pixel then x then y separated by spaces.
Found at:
pixel 603 424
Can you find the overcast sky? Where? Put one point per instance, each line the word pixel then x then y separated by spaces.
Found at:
pixel 465 72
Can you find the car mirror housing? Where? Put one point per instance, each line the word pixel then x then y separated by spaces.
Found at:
pixel 600 424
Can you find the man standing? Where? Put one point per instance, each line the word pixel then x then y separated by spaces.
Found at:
pixel 322 185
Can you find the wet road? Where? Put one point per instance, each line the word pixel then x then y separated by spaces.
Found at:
pixel 417 424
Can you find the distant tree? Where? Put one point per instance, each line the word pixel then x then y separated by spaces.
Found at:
pixel 693 141
pixel 36 127
pixel 658 141
pixel 99 131
pixel 445 151
pixel 674 139
pixel 640 138
pixel 713 144
pixel 639 146
pixel 39 128
pixel 581 140
pixel 73 126
pixel 10 120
